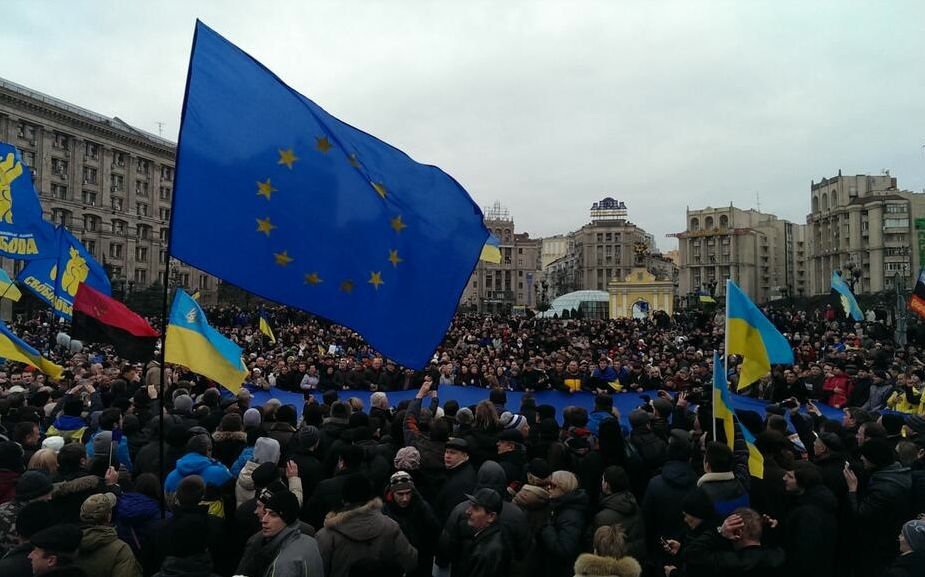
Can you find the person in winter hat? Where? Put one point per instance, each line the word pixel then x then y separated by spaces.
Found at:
pixel 31 486
pixel 102 553
pixel 280 549
pixel 266 450
pixel 198 461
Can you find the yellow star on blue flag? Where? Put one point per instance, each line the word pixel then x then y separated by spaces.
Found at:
pixel 330 199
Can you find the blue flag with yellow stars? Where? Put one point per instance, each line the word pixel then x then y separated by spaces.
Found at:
pixel 75 266
pixel 278 197
pixel 24 234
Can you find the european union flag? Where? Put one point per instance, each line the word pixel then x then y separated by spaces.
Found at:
pixel 24 234
pixel 55 280
pixel 278 197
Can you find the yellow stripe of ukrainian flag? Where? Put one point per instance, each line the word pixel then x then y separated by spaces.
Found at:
pixel 192 350
pixel 14 349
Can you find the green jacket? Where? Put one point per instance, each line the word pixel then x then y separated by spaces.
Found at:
pixel 103 554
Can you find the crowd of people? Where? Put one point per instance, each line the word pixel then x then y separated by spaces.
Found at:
pixel 124 470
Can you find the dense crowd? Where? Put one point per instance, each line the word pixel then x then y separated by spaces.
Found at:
pixel 428 487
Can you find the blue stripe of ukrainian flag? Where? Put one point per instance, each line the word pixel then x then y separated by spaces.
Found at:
pixel 193 343
pixel 723 410
pixel 751 335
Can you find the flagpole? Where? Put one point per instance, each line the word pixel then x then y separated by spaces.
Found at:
pixel 725 346
pixel 714 397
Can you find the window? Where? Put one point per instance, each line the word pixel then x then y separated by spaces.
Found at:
pixel 91 150
pixel 144 232
pixel 28 157
pixel 141 254
pixel 141 209
pixel 90 245
pixel 162 257
pixel 165 193
pixel 708 223
pixel 723 221
pixel 520 251
pixel 27 132
pixel 184 279
pixel 600 237
pixel 115 250
pixel 61 216
pixel 204 282
pixel 118 226
pixel 59 168
pixel 141 188
pixel 116 271
pixel 896 223
pixel 61 141
pixel 59 191
pixel 896 209
pixel 141 276
pixel 695 224
pixel 164 233
pixel 164 213
pixel 91 223
pixel 118 183
pixel 166 173
pixel 117 203
pixel 118 159
pixel 89 175
pixel 143 166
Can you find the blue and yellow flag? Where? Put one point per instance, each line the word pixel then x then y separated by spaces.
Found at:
pixel 724 411
pixel 15 349
pixel 8 290
pixel 278 197
pixel 491 251
pixel 193 343
pixel 24 235
pixel 751 335
pixel 265 327
pixel 846 297
pixel 76 265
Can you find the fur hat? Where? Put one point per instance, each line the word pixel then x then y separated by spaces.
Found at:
pixel 408 459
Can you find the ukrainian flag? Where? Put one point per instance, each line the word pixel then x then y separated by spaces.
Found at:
pixel 491 252
pixel 724 411
pixel 13 348
pixel 848 302
pixel 265 327
pixel 750 334
pixel 8 290
pixel 193 343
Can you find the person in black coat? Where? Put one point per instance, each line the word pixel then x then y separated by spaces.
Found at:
pixel 460 478
pixel 880 510
pixel 327 495
pixel 305 445
pixel 736 550
pixel 512 458
pixel 32 518
pixel 911 560
pixel 560 540
pixel 618 506
pixel 661 505
pixel 810 529
pixel 487 555
pixel 416 519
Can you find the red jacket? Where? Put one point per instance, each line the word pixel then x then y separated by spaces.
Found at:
pixel 839 398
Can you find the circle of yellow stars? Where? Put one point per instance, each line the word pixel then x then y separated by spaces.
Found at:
pixel 265 188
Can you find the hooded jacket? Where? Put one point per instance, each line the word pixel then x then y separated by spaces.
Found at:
pixel 137 516
pixel 588 565
pixel 363 533
pixel 289 554
pixel 212 472
pixel 103 554
pixel 661 505
pixel 227 446
pixel 622 508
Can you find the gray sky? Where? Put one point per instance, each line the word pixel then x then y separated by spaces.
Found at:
pixel 545 106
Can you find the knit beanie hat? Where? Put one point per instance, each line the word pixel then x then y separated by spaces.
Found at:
pixel 54 443
pixel 201 444
pixel 879 452
pixel 252 418
pixel 914 533
pixel 892 422
pixel 309 436
pixel 266 450
pixel 408 459
pixel 183 404
pixel 697 504
pixel 283 503
pixel 357 490
pixel 265 474
pixel 32 485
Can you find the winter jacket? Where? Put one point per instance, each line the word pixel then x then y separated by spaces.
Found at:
pixel 596 418
pixel 622 508
pixel 589 565
pixel 661 505
pixel 908 565
pixel 247 454
pixel 148 459
pixel 420 525
pixel 560 541
pixel 288 554
pixel 222 549
pixel 136 517
pixel 16 562
pixel 363 533
pixel 103 554
pixel 810 533
pixel 283 433
pixel 244 488
pixel 68 494
pixel 195 566
pixel 514 464
pixel 487 555
pixel 651 448
pixel 725 491
pixel 715 553
pixel 844 385
pixel 8 536
pixel 212 472
pixel 459 482
pixel 327 497
pixel 227 445
pixel 879 513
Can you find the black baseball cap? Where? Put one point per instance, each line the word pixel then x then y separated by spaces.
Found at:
pixel 488 499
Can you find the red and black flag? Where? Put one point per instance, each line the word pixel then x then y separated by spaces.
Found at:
pixel 102 319
pixel 917 302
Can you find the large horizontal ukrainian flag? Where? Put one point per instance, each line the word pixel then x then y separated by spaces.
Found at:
pixel 193 343
pixel 14 348
pixel 751 335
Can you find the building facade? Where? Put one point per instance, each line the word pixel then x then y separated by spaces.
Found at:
pixel 514 282
pixel 761 252
pixel 109 183
pixel 866 228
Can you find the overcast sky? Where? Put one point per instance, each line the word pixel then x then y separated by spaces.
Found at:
pixel 543 106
